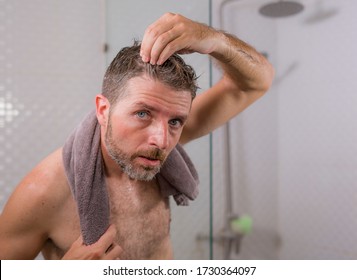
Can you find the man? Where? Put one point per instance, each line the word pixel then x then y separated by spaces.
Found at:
pixel 142 117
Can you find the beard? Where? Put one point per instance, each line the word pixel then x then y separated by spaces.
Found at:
pixel 126 162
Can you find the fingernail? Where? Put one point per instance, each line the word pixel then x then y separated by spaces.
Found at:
pixel 145 58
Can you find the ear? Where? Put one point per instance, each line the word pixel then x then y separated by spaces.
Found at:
pixel 102 109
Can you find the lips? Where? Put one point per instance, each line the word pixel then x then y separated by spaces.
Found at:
pixel 155 154
pixel 149 161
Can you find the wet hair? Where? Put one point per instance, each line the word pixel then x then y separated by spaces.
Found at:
pixel 127 64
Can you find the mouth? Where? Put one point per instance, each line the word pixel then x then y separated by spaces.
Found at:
pixel 148 161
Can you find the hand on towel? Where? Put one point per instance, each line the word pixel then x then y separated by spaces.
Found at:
pixel 104 249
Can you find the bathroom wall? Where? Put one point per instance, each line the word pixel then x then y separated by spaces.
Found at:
pixel 294 151
pixel 52 61
pixel 51 66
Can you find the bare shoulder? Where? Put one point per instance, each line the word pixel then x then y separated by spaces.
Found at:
pixel 46 184
pixel 31 210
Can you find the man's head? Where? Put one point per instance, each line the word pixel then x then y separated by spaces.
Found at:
pixel 128 64
pixel 143 110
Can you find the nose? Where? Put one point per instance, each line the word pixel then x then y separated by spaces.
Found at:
pixel 159 135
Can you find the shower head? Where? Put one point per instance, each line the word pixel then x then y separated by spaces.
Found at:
pixel 281 9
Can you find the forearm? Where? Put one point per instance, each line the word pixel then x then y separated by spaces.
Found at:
pixel 246 68
pixel 242 64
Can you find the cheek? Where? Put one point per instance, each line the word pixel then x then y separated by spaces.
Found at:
pixel 175 137
pixel 121 124
pixel 128 136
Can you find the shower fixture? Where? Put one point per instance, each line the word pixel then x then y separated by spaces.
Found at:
pixel 321 13
pixel 281 9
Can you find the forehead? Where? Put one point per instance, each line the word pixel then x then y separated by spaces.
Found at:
pixel 147 90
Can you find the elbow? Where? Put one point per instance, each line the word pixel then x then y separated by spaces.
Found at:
pixel 261 80
pixel 271 75
pixel 267 78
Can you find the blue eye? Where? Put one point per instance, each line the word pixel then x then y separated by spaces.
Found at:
pixel 175 122
pixel 142 114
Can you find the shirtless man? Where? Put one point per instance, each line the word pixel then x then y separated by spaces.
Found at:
pixel 41 214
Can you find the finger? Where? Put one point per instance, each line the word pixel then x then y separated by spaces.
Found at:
pixel 164 42
pixel 174 46
pixel 78 241
pixel 113 253
pixel 107 238
pixel 153 31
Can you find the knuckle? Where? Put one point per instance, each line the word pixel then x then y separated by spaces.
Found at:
pixel 163 38
pixel 168 15
pixel 180 19
pixel 152 31
pixel 171 48
pixel 181 26
pixel 96 255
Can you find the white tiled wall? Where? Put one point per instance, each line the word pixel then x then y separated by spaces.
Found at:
pixel 51 67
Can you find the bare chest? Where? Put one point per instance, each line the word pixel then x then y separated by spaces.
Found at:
pixel 142 218
pixel 140 214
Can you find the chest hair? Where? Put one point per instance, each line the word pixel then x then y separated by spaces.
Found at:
pixel 142 218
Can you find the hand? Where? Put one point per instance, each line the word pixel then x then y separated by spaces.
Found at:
pixel 173 33
pixel 104 249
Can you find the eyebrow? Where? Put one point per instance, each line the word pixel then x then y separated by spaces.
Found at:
pixel 144 105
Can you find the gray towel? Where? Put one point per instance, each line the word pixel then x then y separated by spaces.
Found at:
pixel 83 163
